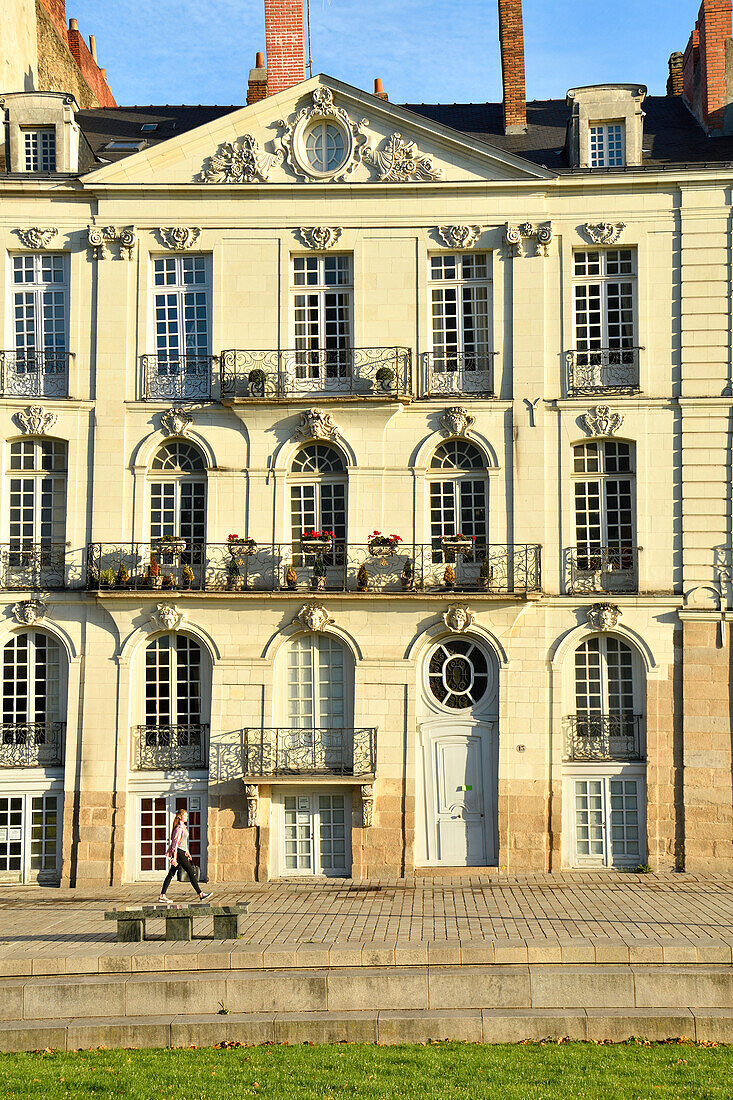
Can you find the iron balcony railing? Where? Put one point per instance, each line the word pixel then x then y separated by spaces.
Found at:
pixel 603 370
pixel 32 744
pixel 603 568
pixel 459 375
pixel 178 377
pixel 319 751
pixel 603 737
pixel 322 372
pixel 30 373
pixel 172 747
pixel 38 565
pixel 218 567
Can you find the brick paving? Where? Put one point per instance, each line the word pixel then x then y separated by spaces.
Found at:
pixel 579 917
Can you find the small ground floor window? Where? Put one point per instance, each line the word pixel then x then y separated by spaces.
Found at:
pixel 30 836
pixel 605 818
pixel 153 827
pixel 313 832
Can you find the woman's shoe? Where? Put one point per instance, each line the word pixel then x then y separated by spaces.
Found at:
pixel 205 897
pixel 163 898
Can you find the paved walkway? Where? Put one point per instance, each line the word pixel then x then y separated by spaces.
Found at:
pixel 502 918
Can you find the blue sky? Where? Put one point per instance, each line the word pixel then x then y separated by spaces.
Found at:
pixel 200 51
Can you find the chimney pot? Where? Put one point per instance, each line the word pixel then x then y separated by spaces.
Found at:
pixel 260 60
pixel 93 46
pixel 73 25
pixel 511 40
pixel 379 88
pixel 675 82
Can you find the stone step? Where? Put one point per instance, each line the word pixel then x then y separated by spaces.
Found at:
pixel 417 989
pixel 386 1026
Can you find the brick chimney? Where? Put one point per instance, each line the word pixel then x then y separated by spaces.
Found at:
pixel 285 42
pixel 511 39
pixel 705 84
pixel 257 87
pixel 675 80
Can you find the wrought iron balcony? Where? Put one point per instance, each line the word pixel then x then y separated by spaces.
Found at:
pixel 603 737
pixel 320 751
pixel 30 373
pixel 218 567
pixel 172 748
pixel 603 568
pixel 603 370
pixel 32 744
pixel 172 377
pixel 322 372
pixel 459 375
pixel 37 565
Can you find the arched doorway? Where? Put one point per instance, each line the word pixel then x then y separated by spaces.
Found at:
pixel 458 756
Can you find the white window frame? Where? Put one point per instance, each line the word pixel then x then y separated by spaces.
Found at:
pixel 300 480
pixel 602 479
pixel 185 362
pixel 632 684
pixel 323 347
pixel 21 696
pixel 35 477
pixel 161 480
pixel 455 477
pixel 35 788
pixel 150 787
pixel 481 345
pixel 599 283
pixel 173 697
pixel 44 269
pixel 607 144
pixel 39 148
pixel 605 773
pixel 312 794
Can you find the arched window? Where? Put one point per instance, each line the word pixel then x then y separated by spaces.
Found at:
pixel 176 704
pixel 458 494
pixel 32 699
pixel 606 724
pixel 36 512
pixel 605 520
pixel 178 493
pixel 318 493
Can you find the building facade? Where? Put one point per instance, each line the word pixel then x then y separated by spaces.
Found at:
pixel 366 483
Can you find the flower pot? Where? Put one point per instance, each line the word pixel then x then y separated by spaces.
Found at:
pixel 235 584
pixel 315 546
pixel 156 582
pixel 318 583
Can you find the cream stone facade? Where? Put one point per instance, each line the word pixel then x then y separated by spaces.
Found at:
pixel 555 693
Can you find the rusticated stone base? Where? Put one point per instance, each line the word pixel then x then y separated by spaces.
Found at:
pixel 93 820
pixel 524 815
pixel 237 851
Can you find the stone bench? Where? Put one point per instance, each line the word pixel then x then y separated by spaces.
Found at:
pixel 178 920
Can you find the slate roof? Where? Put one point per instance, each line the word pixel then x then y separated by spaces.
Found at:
pixel 672 136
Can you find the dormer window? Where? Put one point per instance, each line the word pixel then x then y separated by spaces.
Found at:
pixel 606 145
pixel 39 147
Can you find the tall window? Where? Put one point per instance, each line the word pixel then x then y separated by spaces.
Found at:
pixel 316 689
pixel 604 505
pixel 460 295
pixel 37 493
pixel 318 493
pixel 322 296
pixel 604 678
pixel 182 327
pixel 178 493
pixel 173 681
pixel 605 294
pixel 39 147
pixel 31 679
pixel 458 494
pixel 40 322
pixel 606 145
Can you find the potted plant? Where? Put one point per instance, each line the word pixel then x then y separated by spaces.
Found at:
pixel 241 548
pixel 168 581
pixel 291 577
pixel 170 546
pixel 107 578
pixel 187 577
pixel 459 544
pixel 235 580
pixel 449 577
pixel 385 378
pixel 256 379
pixel 380 545
pixel 362 578
pixel 156 581
pixel 484 574
pixel 318 577
pixel 123 577
pixel 316 542
pixel 407 575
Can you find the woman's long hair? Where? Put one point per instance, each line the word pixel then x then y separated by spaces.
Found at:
pixel 177 818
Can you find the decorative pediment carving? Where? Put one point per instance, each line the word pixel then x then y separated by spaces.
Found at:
pixel 240 161
pixel 316 424
pixel 459 236
pixel 602 616
pixel 320 237
pixel 313 617
pixel 167 616
pixel 29 612
pixel 293 139
pixel 36 237
pixel 400 161
pixel 175 421
pixel 456 421
pixel 458 618
pixel 35 420
pixel 98 238
pixel 604 232
pixel 601 421
pixel 516 235
pixel 367 805
pixel 179 237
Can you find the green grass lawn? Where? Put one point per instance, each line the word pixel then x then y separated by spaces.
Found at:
pixel 547 1071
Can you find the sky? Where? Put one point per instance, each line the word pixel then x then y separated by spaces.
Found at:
pixel 200 51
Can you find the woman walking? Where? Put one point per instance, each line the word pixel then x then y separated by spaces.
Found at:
pixel 179 856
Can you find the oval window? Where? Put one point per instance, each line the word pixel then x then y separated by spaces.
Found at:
pixel 458 674
pixel 325 147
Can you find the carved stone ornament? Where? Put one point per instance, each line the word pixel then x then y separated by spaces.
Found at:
pixel 456 421
pixel 601 421
pixel 167 616
pixel 35 237
pixel 313 617
pixel 320 237
pixel 400 161
pixel 316 424
pixel 458 617
pixel 459 236
pixel 252 794
pixel 29 612
pixel 516 235
pixel 35 420
pixel 367 805
pixel 239 162
pixel 293 139
pixel 98 238
pixel 175 421
pixel 604 232
pixel 602 616
pixel 179 237
pixel 128 239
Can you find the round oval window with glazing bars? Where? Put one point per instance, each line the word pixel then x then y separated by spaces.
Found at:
pixel 325 146
pixel 458 674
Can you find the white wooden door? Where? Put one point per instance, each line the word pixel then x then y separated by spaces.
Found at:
pixel 461 794
pixel 316 833
pixel 608 818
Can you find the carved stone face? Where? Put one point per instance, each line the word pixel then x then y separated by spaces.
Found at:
pixel 458 618
pixel 456 421
pixel 168 616
pixel 314 617
pixel 603 616
pixel 28 612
